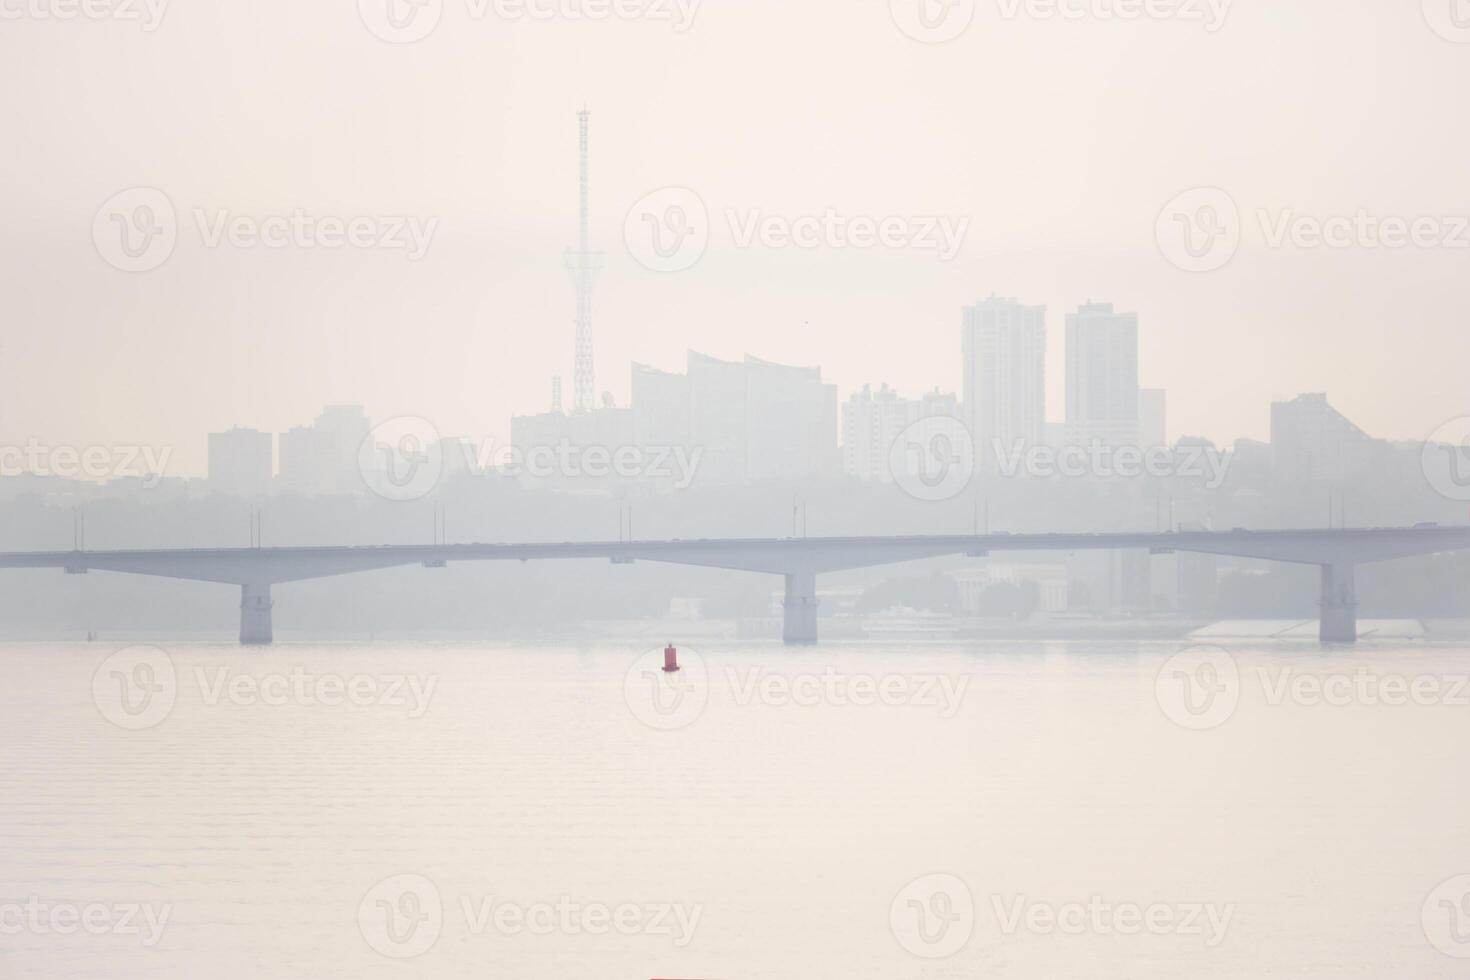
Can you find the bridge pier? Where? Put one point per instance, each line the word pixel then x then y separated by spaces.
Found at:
pixel 799 626
pixel 1339 604
pixel 255 614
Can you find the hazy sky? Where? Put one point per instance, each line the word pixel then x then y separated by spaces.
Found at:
pixel 1059 140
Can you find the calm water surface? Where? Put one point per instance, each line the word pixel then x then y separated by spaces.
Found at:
pixel 571 813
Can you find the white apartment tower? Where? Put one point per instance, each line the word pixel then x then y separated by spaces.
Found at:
pixel 872 421
pixel 1102 376
pixel 1004 347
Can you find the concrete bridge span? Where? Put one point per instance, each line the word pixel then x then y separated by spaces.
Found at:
pixel 1337 552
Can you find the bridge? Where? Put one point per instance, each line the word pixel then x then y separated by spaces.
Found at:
pixel 1337 552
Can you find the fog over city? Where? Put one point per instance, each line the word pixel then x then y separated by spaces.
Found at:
pixel 1058 140
pixel 677 488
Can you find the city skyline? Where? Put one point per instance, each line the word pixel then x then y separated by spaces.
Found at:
pixel 599 488
pixel 303 458
pixel 1055 385
pixel 309 326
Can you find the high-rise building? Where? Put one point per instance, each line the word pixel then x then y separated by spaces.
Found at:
pixel 717 417
pixel 1312 442
pixel 1004 346
pixel 553 446
pixel 661 409
pixel 790 423
pixel 322 459
pixel 738 421
pixel 1102 377
pixel 873 420
pixel 240 462
pixel 298 473
pixel 1153 418
pixel 341 430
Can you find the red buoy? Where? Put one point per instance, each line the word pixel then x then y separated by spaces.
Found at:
pixel 671 659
